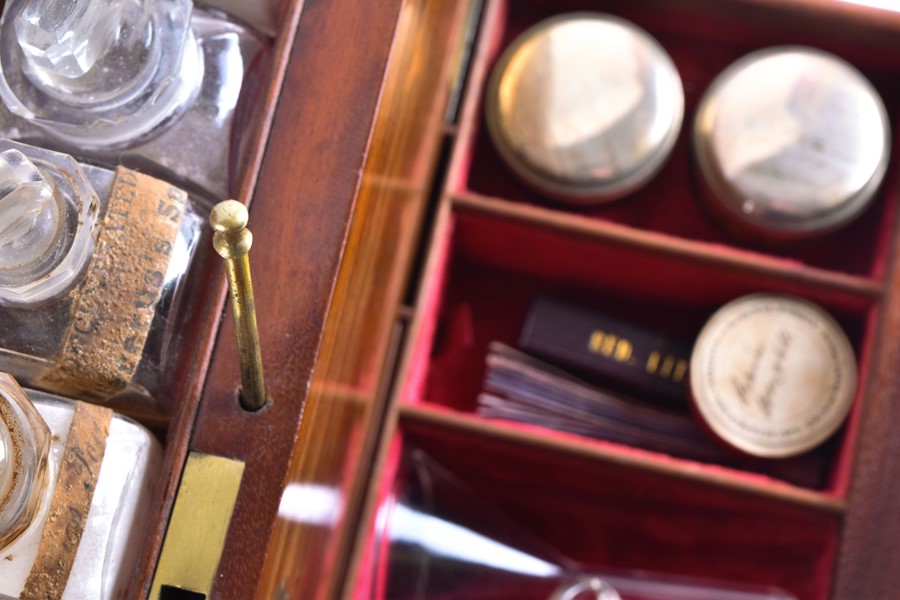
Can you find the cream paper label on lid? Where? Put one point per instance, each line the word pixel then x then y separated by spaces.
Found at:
pixel 114 306
pixel 774 376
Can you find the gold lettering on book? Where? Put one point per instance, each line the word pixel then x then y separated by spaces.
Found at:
pixel 672 368
pixel 610 346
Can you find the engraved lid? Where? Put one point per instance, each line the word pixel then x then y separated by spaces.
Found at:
pixel 772 375
pixel 584 107
pixel 24 447
pixel 790 142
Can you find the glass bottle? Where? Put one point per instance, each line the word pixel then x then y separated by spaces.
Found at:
pixel 71 526
pixel 436 538
pixel 151 84
pixel 92 263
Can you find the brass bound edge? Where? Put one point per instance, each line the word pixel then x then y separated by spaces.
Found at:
pixel 200 518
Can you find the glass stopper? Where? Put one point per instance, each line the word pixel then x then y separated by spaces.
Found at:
pixel 48 213
pixel 29 217
pixel 24 447
pixel 85 50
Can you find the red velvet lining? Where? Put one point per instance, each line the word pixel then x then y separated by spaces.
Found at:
pixel 701 48
pixel 487 275
pixel 485 270
pixel 604 515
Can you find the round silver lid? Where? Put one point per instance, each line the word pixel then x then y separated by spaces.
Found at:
pixel 584 107
pixel 791 142
pixel 772 375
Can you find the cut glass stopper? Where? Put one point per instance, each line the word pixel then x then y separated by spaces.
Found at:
pixel 95 47
pixel 48 212
pixel 29 218
pixel 24 445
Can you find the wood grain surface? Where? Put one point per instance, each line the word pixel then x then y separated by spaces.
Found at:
pixel 203 318
pixel 301 209
pixel 307 164
pixel 317 516
pixel 868 563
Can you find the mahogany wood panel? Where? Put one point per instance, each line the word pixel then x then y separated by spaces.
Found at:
pixel 317 513
pixel 301 209
pixel 868 564
pixel 265 82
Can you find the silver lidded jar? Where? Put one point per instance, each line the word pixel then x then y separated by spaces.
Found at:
pixel 790 142
pixel 584 107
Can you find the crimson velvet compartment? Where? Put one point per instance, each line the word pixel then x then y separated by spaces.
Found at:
pixel 655 258
pixel 486 292
pixel 701 47
pixel 604 515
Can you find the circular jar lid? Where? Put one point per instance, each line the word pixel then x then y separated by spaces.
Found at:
pixel 772 375
pixel 584 107
pixel 790 142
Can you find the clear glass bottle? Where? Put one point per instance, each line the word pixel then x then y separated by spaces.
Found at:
pixel 151 84
pixel 436 538
pixel 91 269
pixel 72 525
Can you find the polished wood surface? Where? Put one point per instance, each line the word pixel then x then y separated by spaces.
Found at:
pixel 307 551
pixel 300 213
pixel 315 183
pixel 265 88
pixel 868 564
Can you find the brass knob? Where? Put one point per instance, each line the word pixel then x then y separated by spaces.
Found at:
pixel 232 240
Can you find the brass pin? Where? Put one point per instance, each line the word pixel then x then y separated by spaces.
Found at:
pixel 232 240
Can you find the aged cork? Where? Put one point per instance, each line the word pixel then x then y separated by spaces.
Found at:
pixel 71 503
pixel 113 308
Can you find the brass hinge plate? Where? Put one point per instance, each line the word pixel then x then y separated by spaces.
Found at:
pixel 195 537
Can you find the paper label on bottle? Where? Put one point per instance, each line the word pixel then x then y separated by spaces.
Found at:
pixel 71 502
pixel 114 307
